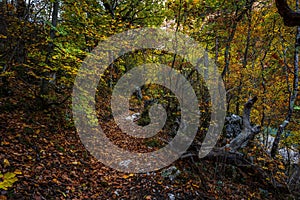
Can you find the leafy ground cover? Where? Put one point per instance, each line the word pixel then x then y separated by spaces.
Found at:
pixel 42 150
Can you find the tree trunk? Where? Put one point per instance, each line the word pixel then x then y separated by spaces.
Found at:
pixel 248 132
pixel 238 17
pixel 293 94
pixel 229 154
pixel 290 17
pixel 44 82
pixel 294 180
pixel 230 151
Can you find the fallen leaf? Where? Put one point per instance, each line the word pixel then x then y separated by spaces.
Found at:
pixel 6 163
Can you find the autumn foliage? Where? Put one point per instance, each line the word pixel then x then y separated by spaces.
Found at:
pixel 44 43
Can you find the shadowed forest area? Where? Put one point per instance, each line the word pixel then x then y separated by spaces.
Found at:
pixel 254 46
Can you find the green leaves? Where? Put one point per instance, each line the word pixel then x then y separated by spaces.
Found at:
pixel 296 107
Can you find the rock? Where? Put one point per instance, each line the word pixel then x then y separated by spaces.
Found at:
pixel 133 117
pixel 171 173
pixel 138 93
pixel 233 126
pixel 171 196
pixel 291 153
pixel 117 192
pixel 125 163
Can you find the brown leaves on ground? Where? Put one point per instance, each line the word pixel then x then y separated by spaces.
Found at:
pixel 52 163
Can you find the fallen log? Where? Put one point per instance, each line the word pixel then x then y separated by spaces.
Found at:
pixel 229 154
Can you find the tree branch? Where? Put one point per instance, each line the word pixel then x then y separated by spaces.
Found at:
pixel 229 154
pixel 290 17
pixel 248 131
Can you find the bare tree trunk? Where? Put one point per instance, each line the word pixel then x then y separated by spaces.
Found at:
pixel 229 153
pixel 242 139
pixel 226 57
pixel 21 9
pixel 110 6
pixel 293 94
pixel 248 132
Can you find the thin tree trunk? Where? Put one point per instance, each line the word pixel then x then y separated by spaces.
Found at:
pixel 263 84
pixel 293 95
pixel 44 82
pixel 238 18
pixel 227 49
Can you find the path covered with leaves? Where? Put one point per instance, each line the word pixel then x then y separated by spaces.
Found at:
pixel 42 151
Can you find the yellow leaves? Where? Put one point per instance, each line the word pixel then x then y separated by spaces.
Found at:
pixel 18 172
pixel 6 163
pixel 56 181
pixel 38 131
pixel 67 68
pixel 281 167
pixel 55 57
pixel 146 98
pixel 127 176
pixel 31 73
pixel 70 70
pixel 106 178
pixel 260 159
pixel 5 143
pixel 148 197
pixel 9 179
pixel 76 163
pixel 3 36
pixel 280 174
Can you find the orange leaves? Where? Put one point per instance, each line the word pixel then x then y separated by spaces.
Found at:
pixel 126 176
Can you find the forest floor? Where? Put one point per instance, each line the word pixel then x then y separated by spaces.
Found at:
pixel 43 149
